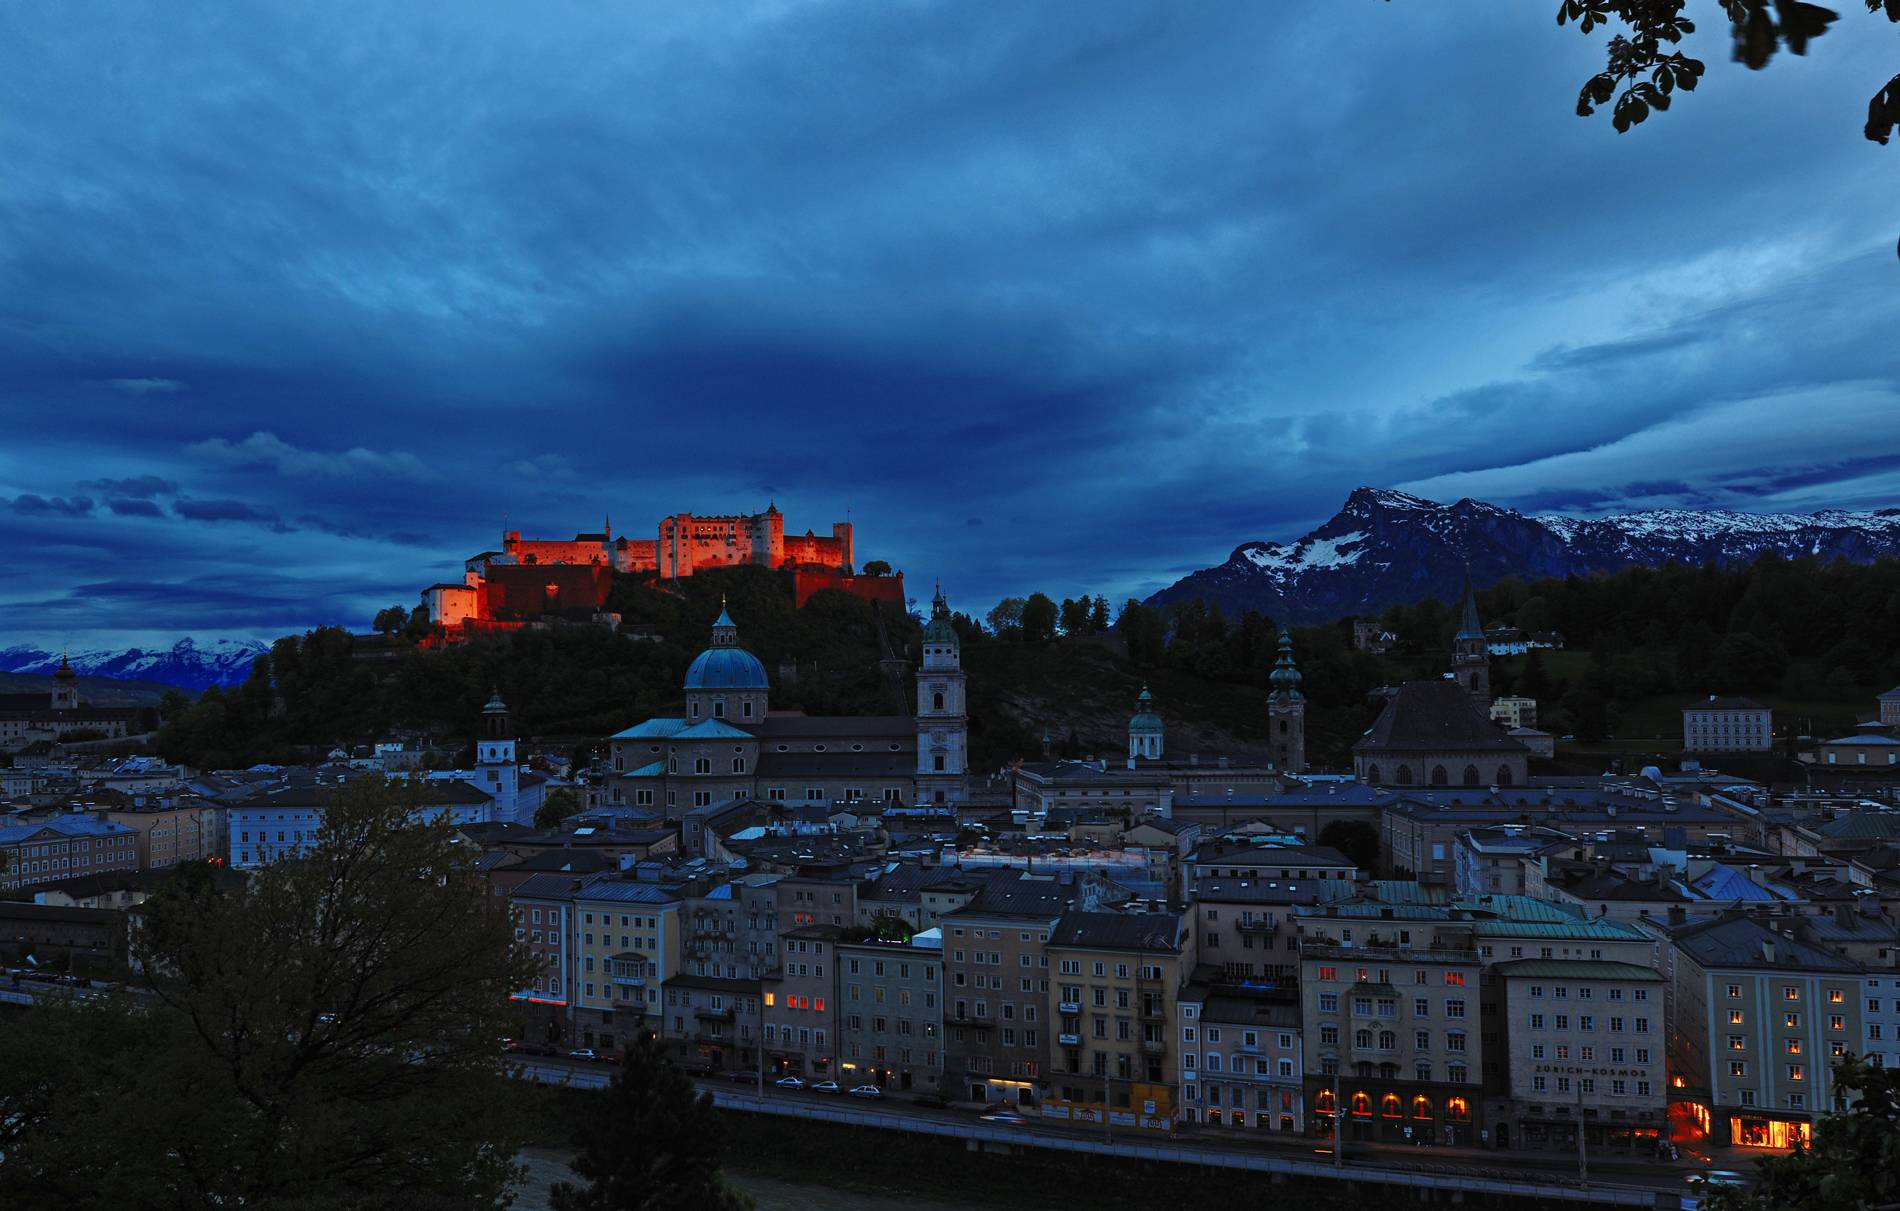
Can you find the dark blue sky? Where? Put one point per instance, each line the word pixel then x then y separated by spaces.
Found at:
pixel 297 301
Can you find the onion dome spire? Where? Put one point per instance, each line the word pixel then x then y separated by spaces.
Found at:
pixel 1286 675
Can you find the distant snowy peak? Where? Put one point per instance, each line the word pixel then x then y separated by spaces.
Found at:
pixel 1385 547
pixel 187 664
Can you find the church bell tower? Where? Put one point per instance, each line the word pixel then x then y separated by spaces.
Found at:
pixel 943 722
pixel 1286 711
pixel 1471 653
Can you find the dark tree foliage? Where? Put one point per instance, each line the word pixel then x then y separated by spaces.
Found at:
pixel 558 805
pixel 321 1036
pixel 1645 72
pixel 1854 1161
pixel 314 692
pixel 1039 618
pixel 649 1143
pixel 1356 839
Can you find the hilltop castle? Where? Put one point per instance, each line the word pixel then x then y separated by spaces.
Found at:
pixel 685 543
pixel 535 578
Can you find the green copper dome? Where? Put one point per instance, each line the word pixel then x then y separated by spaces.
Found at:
pixel 938 631
pixel 1145 719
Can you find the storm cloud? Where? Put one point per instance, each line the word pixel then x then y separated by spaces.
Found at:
pixel 1038 297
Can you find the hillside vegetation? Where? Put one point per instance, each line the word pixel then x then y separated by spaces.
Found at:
pixel 1642 643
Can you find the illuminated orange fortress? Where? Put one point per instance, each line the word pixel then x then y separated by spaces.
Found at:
pixel 531 578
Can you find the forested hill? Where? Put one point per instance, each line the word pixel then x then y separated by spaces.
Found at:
pixel 1640 642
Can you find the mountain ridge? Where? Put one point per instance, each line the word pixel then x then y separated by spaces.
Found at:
pixel 1385 547
pixel 187 664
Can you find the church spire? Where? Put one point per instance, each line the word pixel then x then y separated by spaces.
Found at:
pixel 1471 628
pixel 1285 677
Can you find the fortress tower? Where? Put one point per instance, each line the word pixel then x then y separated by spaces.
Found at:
pixel 943 722
pixel 1286 711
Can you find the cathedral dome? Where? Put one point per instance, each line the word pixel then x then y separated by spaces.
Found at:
pixel 725 665
pixel 726 669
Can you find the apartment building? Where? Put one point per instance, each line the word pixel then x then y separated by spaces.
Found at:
pixel 1727 725
pixel 626 943
pixel 1245 925
pixel 997 987
pixel 710 1023
pixel 1586 1048
pixel 730 931
pixel 1241 1061
pixel 801 1005
pixel 1115 978
pixel 890 1011
pixel 543 907
pixel 1757 1019
pixel 1392 1013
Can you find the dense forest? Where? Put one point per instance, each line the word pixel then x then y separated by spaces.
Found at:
pixel 1803 629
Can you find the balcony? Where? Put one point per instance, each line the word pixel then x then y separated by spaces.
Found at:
pixel 713 1015
pixel 1071 1008
pixel 1069 1039
pixel 630 981
pixel 1154 1046
pixel 1256 927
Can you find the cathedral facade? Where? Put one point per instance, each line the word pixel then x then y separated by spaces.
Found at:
pixel 730 744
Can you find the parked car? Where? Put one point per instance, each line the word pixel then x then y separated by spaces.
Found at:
pixel 743 1077
pixel 826 1087
pixel 789 1082
pixel 866 1091
pixel 583 1053
pixel 1007 1118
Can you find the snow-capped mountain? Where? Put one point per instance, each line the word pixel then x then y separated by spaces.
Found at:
pixel 1386 547
pixel 187 664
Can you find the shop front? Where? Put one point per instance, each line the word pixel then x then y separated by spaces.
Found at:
pixel 1384 1115
pixel 1768 1131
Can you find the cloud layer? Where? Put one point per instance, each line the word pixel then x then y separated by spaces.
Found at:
pixel 296 310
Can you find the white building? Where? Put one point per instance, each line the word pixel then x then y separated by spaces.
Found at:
pixel 1727 725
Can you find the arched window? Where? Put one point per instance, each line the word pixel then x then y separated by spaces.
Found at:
pixel 936 702
pixel 738 765
pixel 1421 1107
pixel 1405 776
pixel 1438 776
pixel 1471 775
pixel 1388 1041
pixel 1361 1103
pixel 1283 727
pixel 1458 1110
pixel 1323 1102
pixel 702 765
pixel 672 765
pixel 1389 1106
pixel 1362 1038
pixel 1504 775
pixel 1372 774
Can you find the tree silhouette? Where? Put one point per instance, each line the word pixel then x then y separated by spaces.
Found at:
pixel 649 1143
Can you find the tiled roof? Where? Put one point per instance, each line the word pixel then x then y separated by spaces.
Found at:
pixel 819 727
pixel 1434 716
pixel 1577 969
pixel 1153 931
pixel 1738 941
